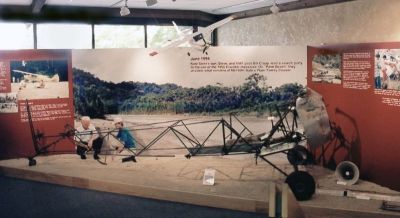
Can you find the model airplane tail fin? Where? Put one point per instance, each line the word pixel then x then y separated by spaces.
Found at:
pixel 177 28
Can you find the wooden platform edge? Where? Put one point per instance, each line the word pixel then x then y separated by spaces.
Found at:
pixel 224 202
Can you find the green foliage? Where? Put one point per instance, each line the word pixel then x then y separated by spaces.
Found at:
pixel 94 97
pixel 328 60
pixel 41 67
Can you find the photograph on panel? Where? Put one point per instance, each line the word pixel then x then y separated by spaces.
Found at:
pixel 387 69
pixel 8 103
pixel 326 68
pixel 40 79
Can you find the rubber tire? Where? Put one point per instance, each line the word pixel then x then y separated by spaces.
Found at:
pixel 296 156
pixel 32 162
pixel 302 185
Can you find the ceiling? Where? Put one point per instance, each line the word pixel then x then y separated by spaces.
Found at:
pixel 209 6
pixel 183 12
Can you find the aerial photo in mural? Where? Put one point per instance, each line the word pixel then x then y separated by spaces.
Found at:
pixel 387 69
pixel 40 79
pixel 326 68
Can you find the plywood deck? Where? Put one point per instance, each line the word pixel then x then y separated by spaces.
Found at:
pixel 240 183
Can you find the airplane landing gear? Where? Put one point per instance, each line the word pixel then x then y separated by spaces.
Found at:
pixel 32 162
pixel 302 185
pixel 299 155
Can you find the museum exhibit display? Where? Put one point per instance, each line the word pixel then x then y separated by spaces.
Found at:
pixel 242 108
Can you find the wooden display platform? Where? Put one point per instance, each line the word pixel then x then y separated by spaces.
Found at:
pixel 240 184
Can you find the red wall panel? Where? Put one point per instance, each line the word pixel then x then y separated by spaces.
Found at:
pixel 369 125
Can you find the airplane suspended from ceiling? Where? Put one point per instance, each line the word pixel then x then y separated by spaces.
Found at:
pixel 196 39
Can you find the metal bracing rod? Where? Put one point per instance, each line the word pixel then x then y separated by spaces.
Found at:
pixel 223 135
pixel 183 124
pixel 276 152
pixel 242 124
pixel 287 123
pixel 201 122
pixel 133 129
pixel 158 138
pixel 230 122
pixel 281 120
pixel 274 129
pixel 273 165
pixel 33 134
pixel 294 122
pixel 183 143
pixel 168 121
pixel 162 127
pixel 205 140
pixel 237 135
pixel 155 140
pixel 42 149
pixel 211 133
pixel 241 132
pixel 189 139
pixel 119 155
pixel 197 141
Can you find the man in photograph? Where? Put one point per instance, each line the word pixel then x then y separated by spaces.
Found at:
pixel 125 137
pixel 87 138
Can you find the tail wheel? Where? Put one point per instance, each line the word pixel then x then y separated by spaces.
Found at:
pixel 32 162
pixel 299 155
pixel 302 185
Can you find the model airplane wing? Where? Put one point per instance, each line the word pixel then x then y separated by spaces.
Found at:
pixel 24 72
pixel 185 37
pixel 214 26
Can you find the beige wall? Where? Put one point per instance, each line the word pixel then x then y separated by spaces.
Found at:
pixel 350 22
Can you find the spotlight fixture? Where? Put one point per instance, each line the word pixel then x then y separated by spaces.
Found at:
pixel 124 9
pixel 151 2
pixel 274 8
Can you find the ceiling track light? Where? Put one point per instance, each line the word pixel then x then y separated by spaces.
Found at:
pixel 274 8
pixel 125 10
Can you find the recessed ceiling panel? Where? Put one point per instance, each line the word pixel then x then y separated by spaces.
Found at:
pixel 211 6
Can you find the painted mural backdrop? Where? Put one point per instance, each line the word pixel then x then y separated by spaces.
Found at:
pixel 179 83
pixel 183 84
pixel 250 80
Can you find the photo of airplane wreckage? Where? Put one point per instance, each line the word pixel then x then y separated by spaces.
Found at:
pixel 285 137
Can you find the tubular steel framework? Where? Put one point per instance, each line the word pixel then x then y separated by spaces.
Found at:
pixel 233 142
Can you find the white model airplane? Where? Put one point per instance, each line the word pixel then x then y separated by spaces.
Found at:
pixel 193 38
pixel 33 77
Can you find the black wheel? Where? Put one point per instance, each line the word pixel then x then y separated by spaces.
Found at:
pixel 299 155
pixel 302 185
pixel 188 156
pixel 32 162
